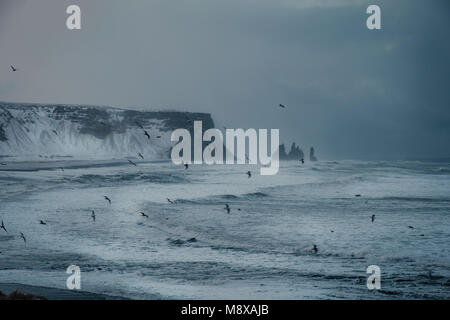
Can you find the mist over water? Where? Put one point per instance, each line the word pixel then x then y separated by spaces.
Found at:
pixel 262 249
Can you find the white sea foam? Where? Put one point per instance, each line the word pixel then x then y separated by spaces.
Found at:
pixel 262 250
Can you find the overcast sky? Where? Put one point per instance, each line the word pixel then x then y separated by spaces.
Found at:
pixel 349 91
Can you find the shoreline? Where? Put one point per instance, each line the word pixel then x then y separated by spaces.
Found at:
pixel 55 293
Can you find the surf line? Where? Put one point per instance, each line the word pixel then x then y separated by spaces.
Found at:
pixel 236 139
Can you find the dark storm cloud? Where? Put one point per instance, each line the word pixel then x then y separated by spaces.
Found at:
pixel 350 92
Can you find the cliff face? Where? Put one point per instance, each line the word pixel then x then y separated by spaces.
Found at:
pixel 89 131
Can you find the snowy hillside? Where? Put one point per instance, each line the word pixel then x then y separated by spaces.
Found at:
pixel 89 132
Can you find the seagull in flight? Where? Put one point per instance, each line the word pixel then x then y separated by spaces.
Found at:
pixel 186 166
pixel 315 249
pixel 143 214
pixel 93 215
pixel 249 174
pixel 3 227
pixel 42 222
pixel 146 134
pixel 140 155
pixel 282 106
pixel 227 207
pixel 169 201
pixel 23 237
pixel 108 199
pixel 373 218
pixel 134 164
pixel 140 125
pixel 13 69
pixel 411 227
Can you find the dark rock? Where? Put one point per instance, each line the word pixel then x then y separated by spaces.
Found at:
pixel 296 153
pixel 312 156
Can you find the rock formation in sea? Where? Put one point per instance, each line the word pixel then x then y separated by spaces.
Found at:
pixel 312 156
pixel 296 153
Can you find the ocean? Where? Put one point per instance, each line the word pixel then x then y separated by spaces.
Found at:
pixel 193 249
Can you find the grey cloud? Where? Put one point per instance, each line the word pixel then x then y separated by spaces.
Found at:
pixel 350 92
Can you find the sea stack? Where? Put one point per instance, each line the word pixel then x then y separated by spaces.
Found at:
pixel 296 153
pixel 312 156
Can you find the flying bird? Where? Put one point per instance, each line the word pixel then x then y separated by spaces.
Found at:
pixel 411 227
pixel 146 134
pixel 3 227
pixel 108 199
pixel 315 249
pixel 42 222
pixel 186 166
pixel 3 164
pixel 134 164
pixel 158 137
pixel 282 106
pixel 13 69
pixel 227 207
pixel 55 132
pixel 93 215
pixel 169 201
pixel 143 214
pixel 372 218
pixel 249 174
pixel 357 195
pixel 23 237
pixel 139 125
pixel 302 160
pixel 140 155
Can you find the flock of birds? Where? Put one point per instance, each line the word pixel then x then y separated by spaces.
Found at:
pixel 147 134
pixel 108 199
pixel 2 226
pixel 186 165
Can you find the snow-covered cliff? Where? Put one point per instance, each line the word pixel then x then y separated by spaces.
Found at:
pixel 89 132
